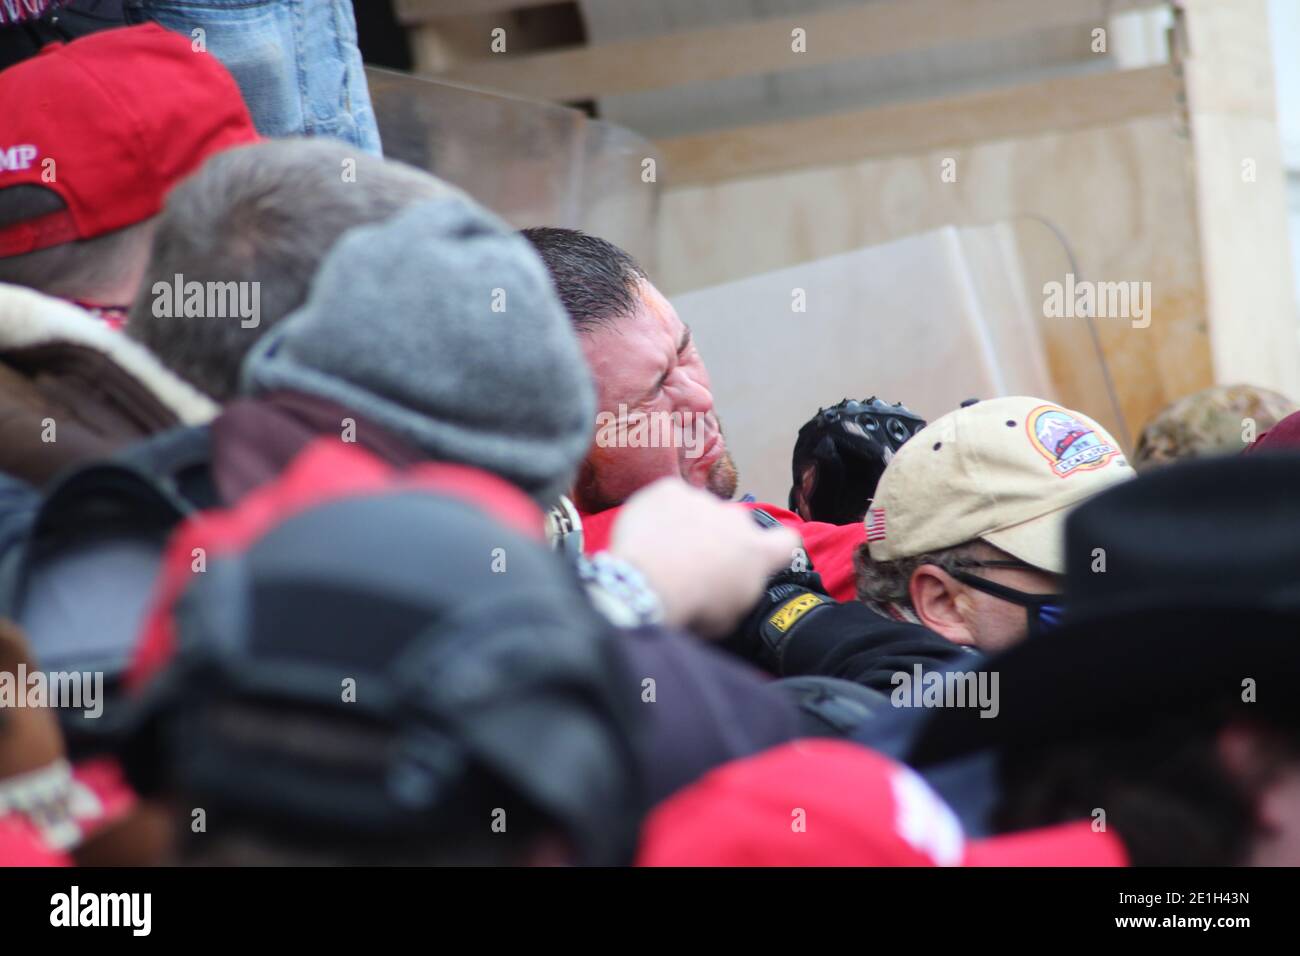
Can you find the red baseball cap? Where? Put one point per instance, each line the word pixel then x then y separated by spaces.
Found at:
pixel 110 122
pixel 833 803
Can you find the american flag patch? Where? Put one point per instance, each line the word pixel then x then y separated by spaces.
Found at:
pixel 876 524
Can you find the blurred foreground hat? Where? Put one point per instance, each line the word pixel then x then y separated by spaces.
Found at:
pixel 441 326
pixel 353 659
pixel 1182 596
pixel 833 803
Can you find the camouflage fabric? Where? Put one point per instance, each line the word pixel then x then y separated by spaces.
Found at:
pixel 1221 420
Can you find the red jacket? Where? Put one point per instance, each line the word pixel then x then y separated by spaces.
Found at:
pixel 830 547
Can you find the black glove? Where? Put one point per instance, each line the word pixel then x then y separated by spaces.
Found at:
pixel 788 600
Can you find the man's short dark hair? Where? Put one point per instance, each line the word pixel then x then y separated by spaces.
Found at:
pixel 596 279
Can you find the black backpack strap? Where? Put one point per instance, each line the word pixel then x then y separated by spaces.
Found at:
pixel 107 494
pixel 179 461
pixel 93 501
pixel 147 488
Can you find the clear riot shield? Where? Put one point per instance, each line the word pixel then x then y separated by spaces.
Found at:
pixel 928 320
pixel 534 164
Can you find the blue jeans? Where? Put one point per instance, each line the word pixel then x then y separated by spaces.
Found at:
pixel 296 61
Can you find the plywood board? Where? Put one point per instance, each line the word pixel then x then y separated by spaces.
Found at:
pixel 1121 197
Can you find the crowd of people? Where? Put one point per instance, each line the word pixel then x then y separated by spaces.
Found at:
pixel 302 489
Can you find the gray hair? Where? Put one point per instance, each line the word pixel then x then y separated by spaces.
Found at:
pixel 76 269
pixel 265 214
pixel 887 582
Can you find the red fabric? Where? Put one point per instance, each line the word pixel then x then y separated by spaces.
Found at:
pixel 255 439
pixel 21 845
pixel 830 546
pixel 834 803
pixel 327 470
pixel 114 316
pixel 1285 434
pixel 124 115
pixel 103 777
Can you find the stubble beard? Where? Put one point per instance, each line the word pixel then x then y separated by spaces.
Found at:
pixel 591 498
pixel 723 478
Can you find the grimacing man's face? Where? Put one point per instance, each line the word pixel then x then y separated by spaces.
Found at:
pixel 648 363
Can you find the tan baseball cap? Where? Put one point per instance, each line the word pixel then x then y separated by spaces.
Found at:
pixel 1006 470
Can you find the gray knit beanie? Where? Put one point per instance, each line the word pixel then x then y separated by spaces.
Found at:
pixel 441 325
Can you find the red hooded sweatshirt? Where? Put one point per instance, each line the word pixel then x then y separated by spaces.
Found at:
pixel 830 547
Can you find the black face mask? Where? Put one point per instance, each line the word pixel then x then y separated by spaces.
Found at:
pixel 1042 610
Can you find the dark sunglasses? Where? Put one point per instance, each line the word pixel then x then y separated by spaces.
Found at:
pixel 1044 610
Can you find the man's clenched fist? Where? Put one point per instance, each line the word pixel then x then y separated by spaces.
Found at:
pixel 707 560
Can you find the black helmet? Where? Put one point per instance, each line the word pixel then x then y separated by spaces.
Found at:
pixel 843 450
